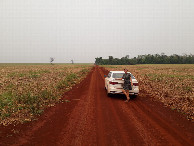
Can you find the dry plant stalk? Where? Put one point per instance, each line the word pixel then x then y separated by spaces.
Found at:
pixel 26 90
pixel 171 84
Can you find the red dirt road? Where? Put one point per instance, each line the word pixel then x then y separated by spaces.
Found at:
pixel 92 118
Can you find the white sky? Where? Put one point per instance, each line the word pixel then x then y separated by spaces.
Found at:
pixel 35 30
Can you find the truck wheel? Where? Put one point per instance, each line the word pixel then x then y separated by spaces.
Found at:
pixel 134 96
pixel 109 94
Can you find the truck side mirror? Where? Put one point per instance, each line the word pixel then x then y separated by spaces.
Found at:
pixel 105 76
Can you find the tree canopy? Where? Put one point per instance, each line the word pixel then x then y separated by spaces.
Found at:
pixel 147 59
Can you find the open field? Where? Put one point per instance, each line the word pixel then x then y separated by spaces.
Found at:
pixel 90 117
pixel 28 64
pixel 171 84
pixel 27 89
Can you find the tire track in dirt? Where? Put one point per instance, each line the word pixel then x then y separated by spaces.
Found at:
pixel 150 134
pixel 92 118
pixel 146 137
pixel 47 129
pixel 166 129
pixel 151 127
pixel 110 120
pixel 80 129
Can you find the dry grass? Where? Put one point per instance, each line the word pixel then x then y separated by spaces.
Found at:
pixel 171 84
pixel 26 90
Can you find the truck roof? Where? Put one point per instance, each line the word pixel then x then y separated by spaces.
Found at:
pixel 118 72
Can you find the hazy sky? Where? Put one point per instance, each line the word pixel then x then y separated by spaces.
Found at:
pixel 35 30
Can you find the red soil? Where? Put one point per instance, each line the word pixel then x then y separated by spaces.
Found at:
pixel 92 118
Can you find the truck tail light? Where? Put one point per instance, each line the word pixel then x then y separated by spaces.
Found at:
pixel 135 84
pixel 113 83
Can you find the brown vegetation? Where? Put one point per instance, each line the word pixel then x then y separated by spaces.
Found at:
pixel 171 84
pixel 26 90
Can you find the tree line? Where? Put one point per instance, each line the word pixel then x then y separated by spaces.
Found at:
pixel 147 59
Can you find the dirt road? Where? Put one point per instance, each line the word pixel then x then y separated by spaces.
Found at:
pixel 88 117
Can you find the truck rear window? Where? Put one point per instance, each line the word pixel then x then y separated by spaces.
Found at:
pixel 120 75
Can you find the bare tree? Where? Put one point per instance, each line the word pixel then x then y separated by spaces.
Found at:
pixel 51 60
pixel 127 56
pixel 72 61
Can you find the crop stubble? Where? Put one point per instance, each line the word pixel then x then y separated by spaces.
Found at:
pixel 171 84
pixel 26 90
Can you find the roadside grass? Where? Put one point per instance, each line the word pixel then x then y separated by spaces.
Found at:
pixel 69 80
pixel 160 77
pixel 172 84
pixel 25 91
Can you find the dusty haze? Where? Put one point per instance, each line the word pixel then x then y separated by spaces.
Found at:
pixel 35 30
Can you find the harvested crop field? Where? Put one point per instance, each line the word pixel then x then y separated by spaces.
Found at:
pixel 27 89
pixel 90 117
pixel 169 83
